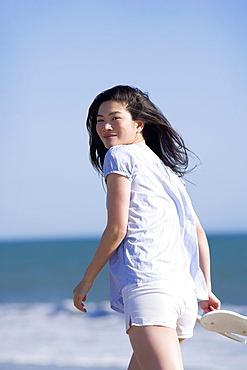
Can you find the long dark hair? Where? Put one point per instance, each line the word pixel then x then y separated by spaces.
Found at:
pixel 159 135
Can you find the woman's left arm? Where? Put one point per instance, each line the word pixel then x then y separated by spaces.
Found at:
pixel 118 191
pixel 212 303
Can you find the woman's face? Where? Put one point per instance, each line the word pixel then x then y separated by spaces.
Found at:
pixel 115 125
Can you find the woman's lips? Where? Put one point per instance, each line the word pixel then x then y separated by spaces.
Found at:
pixel 109 136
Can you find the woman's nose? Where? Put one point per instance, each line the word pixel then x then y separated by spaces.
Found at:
pixel 107 126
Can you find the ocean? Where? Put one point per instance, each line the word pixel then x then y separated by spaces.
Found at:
pixel 41 330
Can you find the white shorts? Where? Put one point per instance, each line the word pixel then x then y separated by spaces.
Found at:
pixel 163 303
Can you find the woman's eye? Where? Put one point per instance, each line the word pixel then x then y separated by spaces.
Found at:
pixel 116 118
pixel 100 120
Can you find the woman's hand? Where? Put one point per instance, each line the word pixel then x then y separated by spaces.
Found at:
pixel 211 304
pixel 80 294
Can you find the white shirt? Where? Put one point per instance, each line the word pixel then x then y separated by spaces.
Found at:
pixel 161 241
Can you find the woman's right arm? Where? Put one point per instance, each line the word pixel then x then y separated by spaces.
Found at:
pixel 118 191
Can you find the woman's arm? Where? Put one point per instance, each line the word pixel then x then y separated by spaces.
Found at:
pixel 118 191
pixel 213 303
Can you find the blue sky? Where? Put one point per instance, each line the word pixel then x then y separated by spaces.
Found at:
pixel 57 55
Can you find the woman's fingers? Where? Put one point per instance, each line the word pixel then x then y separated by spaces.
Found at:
pixel 78 302
pixel 213 303
pixel 80 294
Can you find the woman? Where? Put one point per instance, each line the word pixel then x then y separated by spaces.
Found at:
pixel 157 250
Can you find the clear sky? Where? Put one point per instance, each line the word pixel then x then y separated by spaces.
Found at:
pixel 57 55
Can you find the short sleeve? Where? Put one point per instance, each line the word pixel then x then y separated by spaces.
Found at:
pixel 120 160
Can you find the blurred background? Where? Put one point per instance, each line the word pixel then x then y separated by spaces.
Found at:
pixel 56 56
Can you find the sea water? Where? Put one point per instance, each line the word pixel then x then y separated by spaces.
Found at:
pixel 40 326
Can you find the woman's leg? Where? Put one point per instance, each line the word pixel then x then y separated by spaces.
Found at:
pixel 155 347
pixel 133 365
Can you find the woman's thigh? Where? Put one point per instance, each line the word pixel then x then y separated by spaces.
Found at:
pixel 156 347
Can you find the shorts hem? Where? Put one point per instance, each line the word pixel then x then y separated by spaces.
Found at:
pixel 139 322
pixel 185 336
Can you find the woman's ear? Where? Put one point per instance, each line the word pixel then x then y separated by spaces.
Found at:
pixel 140 126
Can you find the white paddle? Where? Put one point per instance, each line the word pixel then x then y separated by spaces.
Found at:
pixel 226 323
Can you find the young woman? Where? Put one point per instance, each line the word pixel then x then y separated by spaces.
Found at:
pixel 157 250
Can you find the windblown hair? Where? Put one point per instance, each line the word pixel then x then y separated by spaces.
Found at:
pixel 159 135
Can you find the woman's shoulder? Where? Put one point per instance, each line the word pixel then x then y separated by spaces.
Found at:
pixel 120 159
pixel 125 151
pixel 116 149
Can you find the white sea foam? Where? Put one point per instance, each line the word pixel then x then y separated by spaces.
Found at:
pixel 59 335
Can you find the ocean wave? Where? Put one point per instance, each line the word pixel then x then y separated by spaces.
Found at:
pixel 57 334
